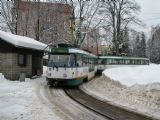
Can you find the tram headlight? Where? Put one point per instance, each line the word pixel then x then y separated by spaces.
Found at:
pixel 49 74
pixel 50 68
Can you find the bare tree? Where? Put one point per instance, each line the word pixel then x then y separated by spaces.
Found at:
pixel 11 13
pixel 6 13
pixel 153 45
pixel 84 17
pixel 119 14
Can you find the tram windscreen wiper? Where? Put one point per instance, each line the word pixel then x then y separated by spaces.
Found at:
pixel 53 65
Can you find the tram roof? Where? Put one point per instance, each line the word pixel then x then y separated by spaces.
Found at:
pixel 122 57
pixel 75 50
pixel 71 50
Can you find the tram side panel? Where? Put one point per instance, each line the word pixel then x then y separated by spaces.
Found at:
pixel 113 62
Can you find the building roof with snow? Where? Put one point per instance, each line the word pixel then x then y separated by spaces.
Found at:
pixel 22 42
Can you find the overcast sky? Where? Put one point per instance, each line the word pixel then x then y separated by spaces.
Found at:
pixel 150 12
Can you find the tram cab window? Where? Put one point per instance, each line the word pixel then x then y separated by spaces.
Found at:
pixel 59 60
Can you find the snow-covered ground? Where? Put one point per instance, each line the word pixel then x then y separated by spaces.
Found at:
pixel 33 100
pixel 19 100
pixel 136 88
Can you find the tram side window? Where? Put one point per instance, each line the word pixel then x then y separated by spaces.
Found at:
pixel 139 62
pixel 99 61
pixel 103 61
pixel 79 60
pixel 114 61
pixel 122 61
pixel 84 60
pixel 91 63
pixel 95 61
pixel 72 61
pixel 109 61
pixel 127 62
pixel 132 62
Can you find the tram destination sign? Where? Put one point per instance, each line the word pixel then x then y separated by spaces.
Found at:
pixel 59 50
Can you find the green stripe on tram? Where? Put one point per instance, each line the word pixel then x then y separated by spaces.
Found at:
pixel 59 50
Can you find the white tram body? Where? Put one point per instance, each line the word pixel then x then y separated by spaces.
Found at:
pixel 70 66
pixel 105 62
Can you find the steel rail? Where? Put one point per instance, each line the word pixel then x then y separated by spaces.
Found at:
pixel 104 108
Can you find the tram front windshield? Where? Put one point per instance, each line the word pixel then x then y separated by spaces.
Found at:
pixel 61 61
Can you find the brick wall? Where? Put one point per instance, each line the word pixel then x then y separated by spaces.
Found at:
pixel 10 68
pixel 49 21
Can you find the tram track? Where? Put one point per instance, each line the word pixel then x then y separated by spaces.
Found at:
pixel 63 106
pixel 103 108
pixel 75 104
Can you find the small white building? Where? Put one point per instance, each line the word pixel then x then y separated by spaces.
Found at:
pixel 19 54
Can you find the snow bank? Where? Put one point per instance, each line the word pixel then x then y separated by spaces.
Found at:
pixel 21 41
pixel 1 77
pixel 130 76
pixel 136 88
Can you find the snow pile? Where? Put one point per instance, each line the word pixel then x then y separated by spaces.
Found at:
pixel 2 77
pixel 130 88
pixel 135 75
pixel 44 70
pixel 21 41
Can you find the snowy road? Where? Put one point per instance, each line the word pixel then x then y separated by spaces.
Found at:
pixel 34 100
pixel 64 107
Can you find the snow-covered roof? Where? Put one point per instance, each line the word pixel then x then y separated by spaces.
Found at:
pixel 21 41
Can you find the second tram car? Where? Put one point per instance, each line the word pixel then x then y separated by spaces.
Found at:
pixel 70 66
pixel 105 62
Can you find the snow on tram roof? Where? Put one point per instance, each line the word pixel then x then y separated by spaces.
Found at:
pixel 123 57
pixel 21 41
pixel 75 50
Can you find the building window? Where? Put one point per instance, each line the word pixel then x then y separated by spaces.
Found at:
pixel 22 59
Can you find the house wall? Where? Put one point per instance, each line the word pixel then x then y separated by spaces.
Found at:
pixel 10 68
pixel 9 61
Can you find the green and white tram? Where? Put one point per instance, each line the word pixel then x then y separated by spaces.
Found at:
pixel 70 66
pixel 105 62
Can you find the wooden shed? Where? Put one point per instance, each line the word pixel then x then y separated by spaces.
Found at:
pixel 20 54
